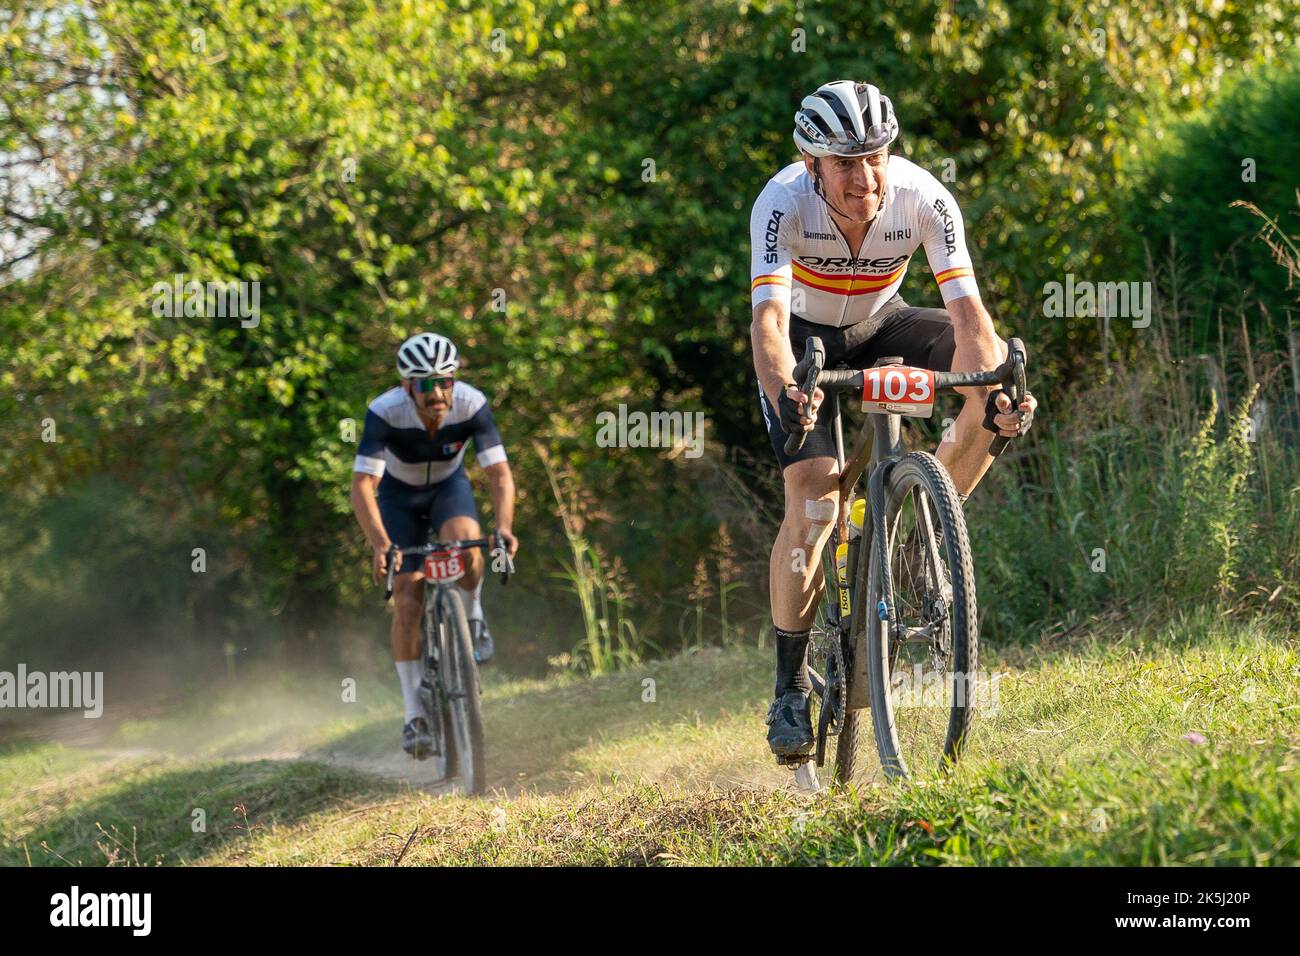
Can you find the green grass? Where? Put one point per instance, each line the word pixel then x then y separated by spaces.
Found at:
pixel 1088 759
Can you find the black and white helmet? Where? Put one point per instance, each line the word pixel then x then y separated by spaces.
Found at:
pixel 845 119
pixel 426 354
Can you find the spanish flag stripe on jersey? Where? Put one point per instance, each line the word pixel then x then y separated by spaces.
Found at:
pixel 769 280
pixel 844 285
pixel 948 274
pixel 864 290
pixel 800 267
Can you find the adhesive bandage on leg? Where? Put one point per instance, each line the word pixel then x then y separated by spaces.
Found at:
pixel 820 514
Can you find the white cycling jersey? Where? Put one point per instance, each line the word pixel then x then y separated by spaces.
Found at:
pixel 800 257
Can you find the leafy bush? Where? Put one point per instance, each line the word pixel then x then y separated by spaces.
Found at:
pixel 1148 507
pixel 1242 146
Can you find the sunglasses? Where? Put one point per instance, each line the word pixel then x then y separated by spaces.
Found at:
pixel 429 384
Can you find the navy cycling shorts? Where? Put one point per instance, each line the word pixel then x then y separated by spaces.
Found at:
pixel 923 337
pixel 410 514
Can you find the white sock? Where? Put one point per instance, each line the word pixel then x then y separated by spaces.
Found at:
pixel 409 675
pixel 476 609
pixel 473 601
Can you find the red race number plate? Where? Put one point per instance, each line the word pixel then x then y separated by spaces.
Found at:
pixel 444 566
pixel 899 389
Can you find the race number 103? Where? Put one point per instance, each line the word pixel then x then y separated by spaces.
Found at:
pixel 898 390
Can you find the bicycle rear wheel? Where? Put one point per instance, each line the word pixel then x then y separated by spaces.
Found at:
pixel 835 667
pixel 460 681
pixel 921 671
pixel 845 760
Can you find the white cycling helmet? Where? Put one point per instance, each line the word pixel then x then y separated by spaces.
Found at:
pixel 845 119
pixel 426 354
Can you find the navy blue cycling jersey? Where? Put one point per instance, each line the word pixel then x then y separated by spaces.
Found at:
pixel 395 440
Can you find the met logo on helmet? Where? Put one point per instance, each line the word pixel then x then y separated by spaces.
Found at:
pixel 809 129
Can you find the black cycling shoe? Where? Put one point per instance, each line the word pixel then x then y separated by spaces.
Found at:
pixel 789 725
pixel 416 739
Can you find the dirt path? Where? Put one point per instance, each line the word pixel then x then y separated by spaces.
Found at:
pixel 73 730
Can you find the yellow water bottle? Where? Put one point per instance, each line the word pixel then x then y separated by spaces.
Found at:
pixel 842 576
pixel 856 515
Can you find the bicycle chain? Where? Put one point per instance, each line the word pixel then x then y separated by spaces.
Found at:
pixel 834 699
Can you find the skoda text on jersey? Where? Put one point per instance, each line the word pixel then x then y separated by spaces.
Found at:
pixel 797 248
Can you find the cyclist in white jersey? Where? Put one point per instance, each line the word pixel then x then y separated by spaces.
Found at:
pixel 831 239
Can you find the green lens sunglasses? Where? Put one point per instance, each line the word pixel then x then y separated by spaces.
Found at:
pixel 429 384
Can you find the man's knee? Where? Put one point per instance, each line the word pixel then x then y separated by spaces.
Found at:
pixel 465 528
pixel 973 401
pixel 458 528
pixel 408 598
pixel 811 498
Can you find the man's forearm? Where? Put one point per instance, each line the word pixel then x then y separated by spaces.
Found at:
pixel 769 335
pixel 501 485
pixel 977 344
pixel 366 510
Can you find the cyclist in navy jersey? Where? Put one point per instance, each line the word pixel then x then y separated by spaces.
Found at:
pixel 409 477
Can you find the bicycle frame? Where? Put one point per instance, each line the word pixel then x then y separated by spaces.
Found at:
pixel 879 442
pixel 883 431
pixel 881 439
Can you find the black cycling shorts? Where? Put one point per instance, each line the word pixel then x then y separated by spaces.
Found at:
pixel 411 514
pixel 923 337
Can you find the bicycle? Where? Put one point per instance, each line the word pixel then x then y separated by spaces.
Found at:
pixel 870 626
pixel 450 691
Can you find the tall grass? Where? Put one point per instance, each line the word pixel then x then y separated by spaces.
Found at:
pixel 705 587
pixel 610 639
pixel 1212 506
pixel 1139 490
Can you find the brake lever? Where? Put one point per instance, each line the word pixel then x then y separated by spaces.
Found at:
pixel 1012 374
pixel 392 569
pixel 810 366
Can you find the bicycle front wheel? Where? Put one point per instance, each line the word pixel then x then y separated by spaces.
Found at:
pixel 921 667
pixel 460 681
